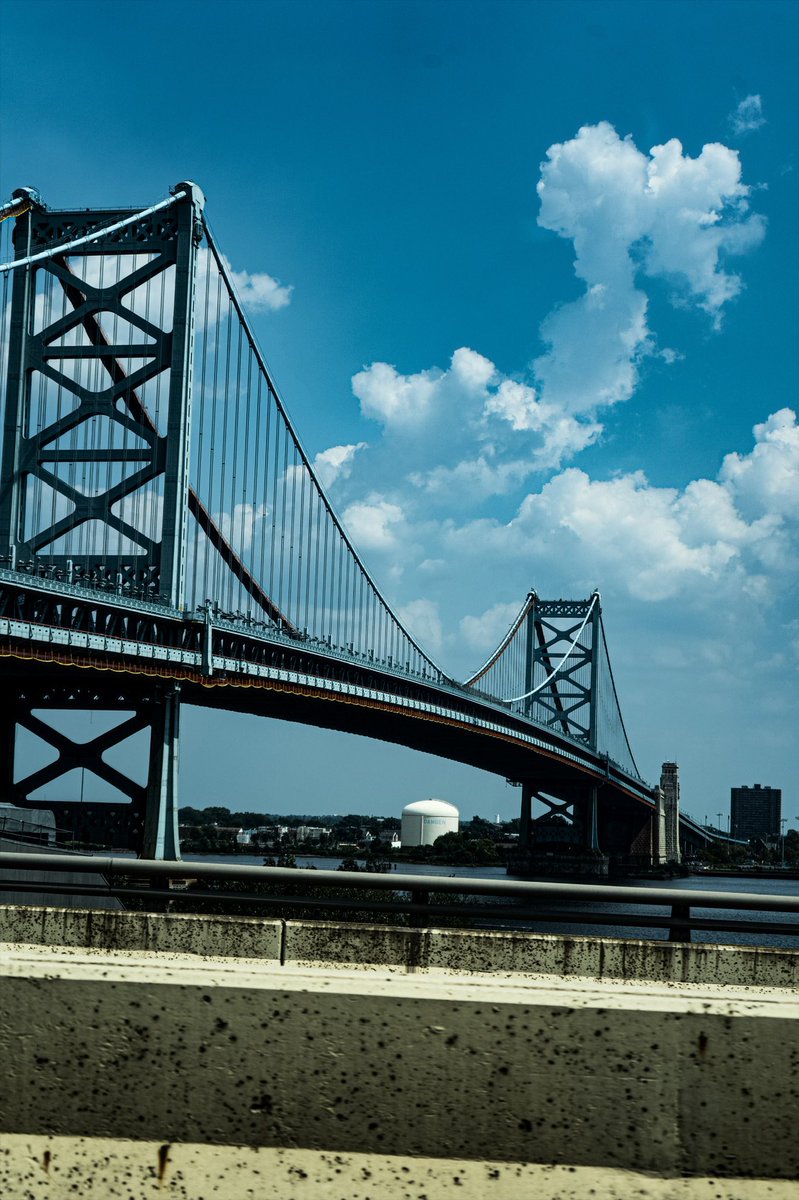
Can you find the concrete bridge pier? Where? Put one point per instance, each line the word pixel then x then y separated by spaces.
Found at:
pixel 161 839
pixel 580 837
pixel 564 840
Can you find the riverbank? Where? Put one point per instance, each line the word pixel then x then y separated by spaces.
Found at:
pixel 749 872
pixel 331 862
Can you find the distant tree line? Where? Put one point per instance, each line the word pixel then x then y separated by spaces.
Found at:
pixel 357 838
pixel 214 830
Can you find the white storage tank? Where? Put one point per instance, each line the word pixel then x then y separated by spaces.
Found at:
pixel 425 820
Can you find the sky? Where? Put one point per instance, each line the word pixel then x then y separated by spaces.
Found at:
pixel 526 278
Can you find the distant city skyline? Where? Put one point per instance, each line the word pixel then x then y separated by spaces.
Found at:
pixel 527 278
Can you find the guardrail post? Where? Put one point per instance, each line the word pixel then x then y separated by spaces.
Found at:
pixel 680 927
pixel 419 896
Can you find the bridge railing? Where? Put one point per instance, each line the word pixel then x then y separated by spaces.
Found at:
pixel 417 900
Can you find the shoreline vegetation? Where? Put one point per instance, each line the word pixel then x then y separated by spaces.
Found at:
pixel 365 843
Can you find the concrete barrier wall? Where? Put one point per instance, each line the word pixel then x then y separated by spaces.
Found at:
pixel 175 1049
pixel 531 954
pixel 400 949
pixel 168 933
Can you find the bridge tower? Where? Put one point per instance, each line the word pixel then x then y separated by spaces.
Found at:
pixel 670 787
pixel 561 689
pixel 94 483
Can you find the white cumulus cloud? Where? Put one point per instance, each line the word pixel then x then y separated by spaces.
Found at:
pixel 401 401
pixel 485 632
pixel 767 480
pixel 258 291
pixel 631 216
pixel 747 116
pixel 470 405
pixel 374 523
pixel 713 538
pixel 421 618
pixel 336 463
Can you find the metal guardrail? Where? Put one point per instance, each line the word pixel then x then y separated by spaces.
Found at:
pixel 514 901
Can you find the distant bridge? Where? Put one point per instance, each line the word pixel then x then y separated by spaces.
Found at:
pixel 165 539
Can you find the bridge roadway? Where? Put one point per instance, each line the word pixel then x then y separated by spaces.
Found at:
pixel 248 666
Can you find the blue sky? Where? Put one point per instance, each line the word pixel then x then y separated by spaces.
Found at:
pixel 542 347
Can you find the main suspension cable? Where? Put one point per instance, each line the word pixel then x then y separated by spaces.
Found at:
pixel 94 236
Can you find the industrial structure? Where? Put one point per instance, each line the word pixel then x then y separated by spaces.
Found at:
pixel 424 821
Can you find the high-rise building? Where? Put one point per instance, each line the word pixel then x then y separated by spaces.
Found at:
pixel 755 811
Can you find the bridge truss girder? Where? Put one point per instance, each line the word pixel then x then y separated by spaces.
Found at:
pixel 146 819
pixel 246 665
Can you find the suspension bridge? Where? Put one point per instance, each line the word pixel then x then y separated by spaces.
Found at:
pixel 165 540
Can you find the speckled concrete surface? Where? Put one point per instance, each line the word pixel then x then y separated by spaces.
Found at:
pixel 391 948
pixel 170 1048
pixel 245 937
pixel 520 954
pixel 51 1168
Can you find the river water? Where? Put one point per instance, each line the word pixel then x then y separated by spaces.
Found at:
pixel 758 885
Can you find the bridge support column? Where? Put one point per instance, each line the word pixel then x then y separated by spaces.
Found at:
pixel 659 851
pixel 161 805
pixel 564 840
pixel 592 818
pixel 526 817
pixel 41 719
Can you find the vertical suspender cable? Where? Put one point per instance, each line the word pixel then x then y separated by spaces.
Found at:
pixel 339 553
pixel 263 491
pixel 275 476
pixel 283 509
pixel 304 559
pixel 291 473
pixel 235 596
pixel 344 545
pixel 225 421
pixel 248 509
pixel 327 629
pixel 312 560
pixel 211 581
pixel 197 599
